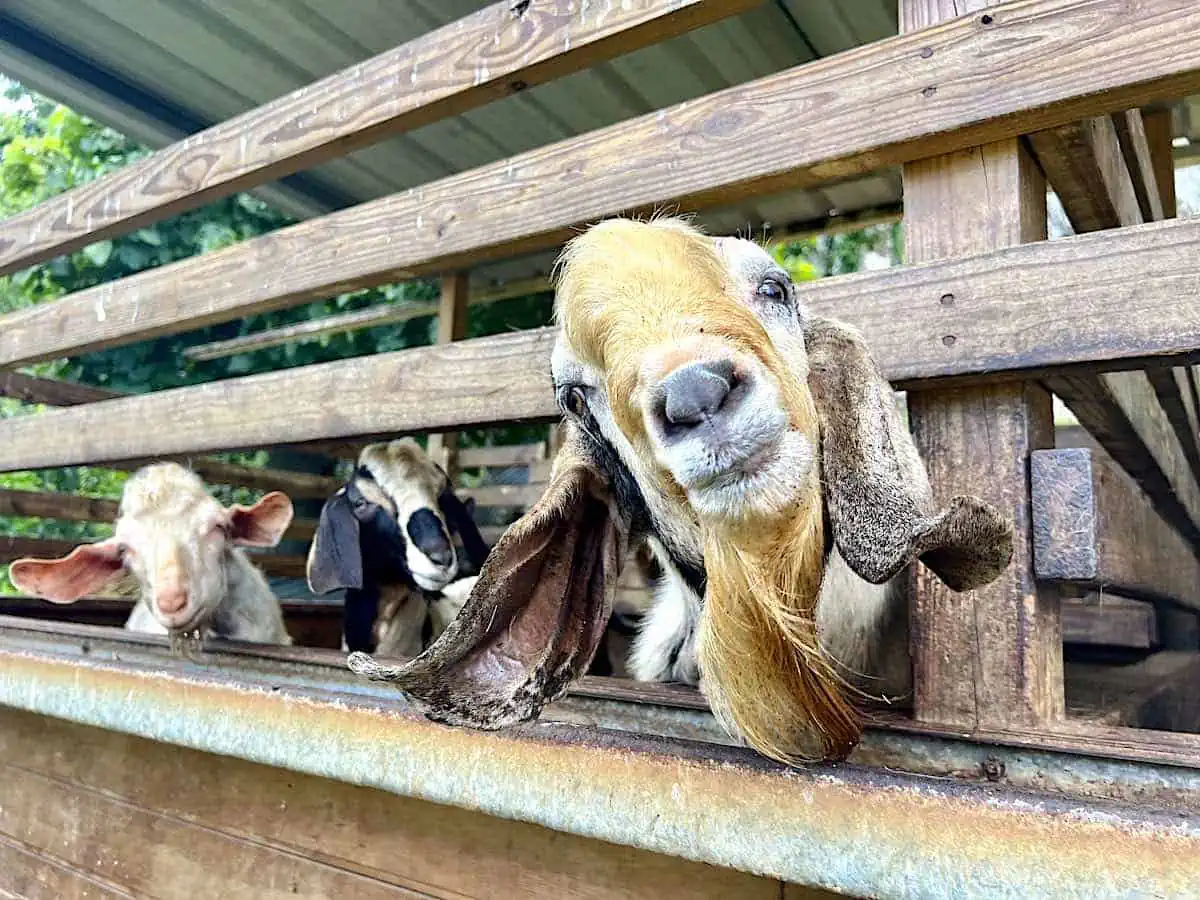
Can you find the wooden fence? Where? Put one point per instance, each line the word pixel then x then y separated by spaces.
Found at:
pixel 986 321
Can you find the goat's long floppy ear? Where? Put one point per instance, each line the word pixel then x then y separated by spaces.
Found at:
pixel 85 569
pixel 459 518
pixel 537 613
pixel 335 559
pixel 877 492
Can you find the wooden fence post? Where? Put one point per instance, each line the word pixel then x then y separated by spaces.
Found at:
pixel 992 656
pixel 451 326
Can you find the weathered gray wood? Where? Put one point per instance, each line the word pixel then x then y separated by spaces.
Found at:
pixel 1093 528
pixel 1062 60
pixel 1135 148
pixel 499 50
pixel 1160 692
pixel 1107 620
pixel 30 389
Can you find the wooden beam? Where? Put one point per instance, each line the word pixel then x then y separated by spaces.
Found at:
pixel 1159 135
pixel 372 317
pixel 451 326
pixel 993 655
pixel 522 287
pixel 1093 528
pixel 1084 166
pixel 1135 148
pixel 693 154
pixel 64 507
pixel 1161 692
pixel 498 51
pixel 49 391
pixel 1096 167
pixel 1107 620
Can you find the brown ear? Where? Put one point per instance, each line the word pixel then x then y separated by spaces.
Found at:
pixel 85 569
pixel 536 615
pixel 876 489
pixel 263 524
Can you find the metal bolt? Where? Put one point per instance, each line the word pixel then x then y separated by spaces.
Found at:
pixel 993 768
pixel 947 300
pixel 928 92
pixel 949 340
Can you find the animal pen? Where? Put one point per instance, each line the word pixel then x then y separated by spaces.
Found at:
pixel 1018 769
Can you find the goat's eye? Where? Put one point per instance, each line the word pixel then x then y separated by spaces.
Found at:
pixel 772 289
pixel 359 503
pixel 571 398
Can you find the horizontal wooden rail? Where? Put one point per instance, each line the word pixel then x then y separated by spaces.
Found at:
pixel 63 507
pixel 1029 65
pixel 1107 620
pixel 1092 527
pixel 30 389
pixel 388 315
pixel 1103 301
pixel 371 317
pixel 497 51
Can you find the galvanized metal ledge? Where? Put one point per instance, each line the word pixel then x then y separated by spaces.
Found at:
pixel 846 828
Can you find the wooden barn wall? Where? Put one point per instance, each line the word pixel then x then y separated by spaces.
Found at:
pixel 95 813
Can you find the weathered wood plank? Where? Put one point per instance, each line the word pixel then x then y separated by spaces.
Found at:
pixel 1107 620
pixel 1084 165
pixel 1135 148
pixel 359 831
pixel 1056 60
pixel 66 507
pixel 1124 415
pixel 29 873
pixel 372 317
pixel 1160 692
pixel 1093 527
pixel 1157 123
pixel 30 389
pixel 1175 396
pixel 151 854
pixel 505 494
pixel 499 50
pixel 451 326
pixel 993 655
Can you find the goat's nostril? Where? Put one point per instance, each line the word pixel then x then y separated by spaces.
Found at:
pixel 441 557
pixel 696 392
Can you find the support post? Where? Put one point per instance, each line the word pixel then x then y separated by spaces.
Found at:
pixel 991 657
pixel 451 326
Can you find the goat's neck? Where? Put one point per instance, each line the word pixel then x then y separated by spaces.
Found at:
pixel 249 611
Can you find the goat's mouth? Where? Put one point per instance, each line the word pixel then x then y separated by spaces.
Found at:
pixel 756 478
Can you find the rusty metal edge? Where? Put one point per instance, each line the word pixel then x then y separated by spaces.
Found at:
pixel 863 831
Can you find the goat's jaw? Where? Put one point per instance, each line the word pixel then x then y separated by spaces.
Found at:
pixel 764 486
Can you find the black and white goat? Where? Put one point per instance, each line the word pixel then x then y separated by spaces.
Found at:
pixel 386 537
pixel 182 546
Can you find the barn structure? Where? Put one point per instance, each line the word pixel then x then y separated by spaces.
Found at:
pixel 1051 747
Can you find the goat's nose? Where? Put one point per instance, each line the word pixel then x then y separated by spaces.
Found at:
pixel 696 392
pixel 171 600
pixel 441 556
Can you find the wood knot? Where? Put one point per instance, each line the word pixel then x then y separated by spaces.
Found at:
pixel 947 300
pixel 928 92
pixel 949 340
pixel 520 7
pixel 985 19
pixel 926 52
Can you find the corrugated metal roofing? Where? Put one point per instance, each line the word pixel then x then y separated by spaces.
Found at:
pixel 178 65
pixel 208 60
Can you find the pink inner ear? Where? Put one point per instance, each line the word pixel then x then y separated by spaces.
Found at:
pixel 263 524
pixel 86 569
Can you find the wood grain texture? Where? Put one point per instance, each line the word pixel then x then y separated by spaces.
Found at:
pixel 993 655
pixel 1157 123
pixel 30 389
pixel 1125 417
pixel 894 101
pixel 33 873
pixel 451 326
pixel 1159 692
pixel 1093 527
pixel 465 384
pixel 1108 620
pixel 65 507
pixel 371 317
pixel 1084 165
pixel 264 814
pixel 497 51
pixel 1135 148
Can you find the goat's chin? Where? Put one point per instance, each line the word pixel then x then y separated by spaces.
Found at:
pixel 763 488
pixel 432 581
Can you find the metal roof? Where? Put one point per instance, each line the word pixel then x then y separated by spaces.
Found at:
pixel 160 69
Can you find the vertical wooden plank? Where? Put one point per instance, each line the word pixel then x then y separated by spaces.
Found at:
pixel 1157 123
pixel 451 326
pixel 992 656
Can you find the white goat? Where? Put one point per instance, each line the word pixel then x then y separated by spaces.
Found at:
pixel 183 548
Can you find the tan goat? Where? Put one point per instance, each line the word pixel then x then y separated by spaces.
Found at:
pixel 758 449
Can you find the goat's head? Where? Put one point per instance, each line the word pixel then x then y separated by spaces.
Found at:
pixel 711 414
pixel 392 523
pixel 172 535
